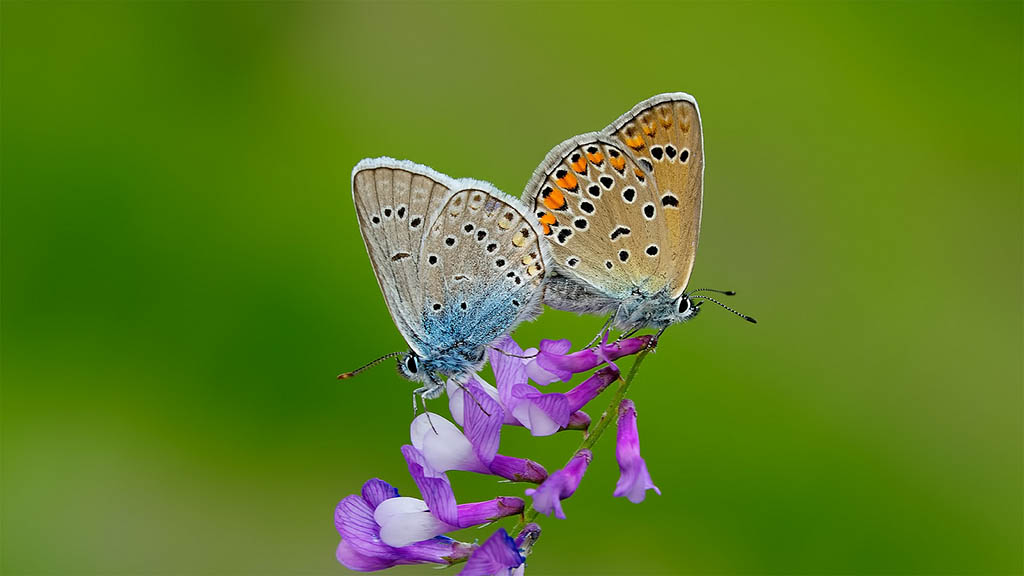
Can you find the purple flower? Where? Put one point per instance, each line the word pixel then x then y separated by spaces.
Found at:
pixel 439 500
pixel 634 480
pixel 444 447
pixel 542 413
pixel 587 390
pixel 457 397
pixel 560 485
pixel 379 528
pixel 554 363
pixel 499 555
pixel 362 548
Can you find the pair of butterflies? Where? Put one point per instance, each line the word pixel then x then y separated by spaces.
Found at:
pixel 608 224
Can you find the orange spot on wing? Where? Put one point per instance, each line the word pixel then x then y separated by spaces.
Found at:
pixel 555 200
pixel 635 142
pixel 618 163
pixel 648 129
pixel 580 166
pixel 547 230
pixel 548 218
pixel 595 158
pixel 639 174
pixel 567 182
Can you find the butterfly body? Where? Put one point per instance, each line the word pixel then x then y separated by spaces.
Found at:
pixel 630 313
pixel 621 209
pixel 457 262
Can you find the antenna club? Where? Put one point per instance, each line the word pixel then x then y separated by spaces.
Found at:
pixel 346 375
pixel 750 319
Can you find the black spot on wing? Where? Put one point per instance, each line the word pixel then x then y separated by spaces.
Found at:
pixel 619 231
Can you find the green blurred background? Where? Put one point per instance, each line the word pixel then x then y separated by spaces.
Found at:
pixel 183 278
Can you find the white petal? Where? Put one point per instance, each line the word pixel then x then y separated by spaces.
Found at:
pixel 396 507
pixel 449 449
pixel 455 399
pixel 420 427
pixel 491 390
pixel 403 528
pixel 535 419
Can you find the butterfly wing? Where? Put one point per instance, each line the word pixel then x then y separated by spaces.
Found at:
pixel 665 133
pixel 618 219
pixel 589 197
pixel 395 200
pixel 482 270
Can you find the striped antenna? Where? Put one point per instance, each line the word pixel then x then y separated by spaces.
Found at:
pixel 740 314
pixel 353 373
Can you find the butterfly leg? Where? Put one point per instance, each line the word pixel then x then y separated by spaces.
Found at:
pixel 423 393
pixel 423 400
pixel 600 334
pixel 511 355
pixel 467 392
pixel 654 341
pixel 628 334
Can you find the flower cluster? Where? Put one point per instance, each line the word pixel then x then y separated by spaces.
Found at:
pixel 379 528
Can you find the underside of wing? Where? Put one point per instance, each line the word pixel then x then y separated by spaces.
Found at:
pixel 395 201
pixel 599 209
pixel 482 269
pixel 664 132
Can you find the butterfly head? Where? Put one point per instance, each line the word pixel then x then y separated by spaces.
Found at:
pixel 410 366
pixel 684 309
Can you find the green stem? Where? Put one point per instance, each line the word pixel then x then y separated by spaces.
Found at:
pixel 594 434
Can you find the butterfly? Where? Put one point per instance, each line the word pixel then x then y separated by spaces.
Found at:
pixel 458 262
pixel 620 210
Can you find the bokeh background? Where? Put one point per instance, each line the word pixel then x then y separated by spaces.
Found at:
pixel 183 278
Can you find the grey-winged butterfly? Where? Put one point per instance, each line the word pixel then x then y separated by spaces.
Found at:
pixel 456 259
pixel 620 210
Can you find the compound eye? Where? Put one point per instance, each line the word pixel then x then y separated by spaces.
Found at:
pixel 684 304
pixel 410 364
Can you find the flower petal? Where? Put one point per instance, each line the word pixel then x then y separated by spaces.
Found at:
pixel 518 469
pixel 497 555
pixel 528 535
pixel 626 347
pixel 353 518
pixel 489 511
pixel 587 390
pixel 456 397
pixel 547 497
pixel 439 550
pixel 508 368
pixel 556 361
pixel 578 420
pixel 555 346
pixel 404 521
pixel 538 371
pixel 457 393
pixel 538 374
pixel 376 491
pixel 355 560
pixel 634 479
pixel 443 445
pixel 483 417
pixel 564 366
pixel 434 486
pixel 543 414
